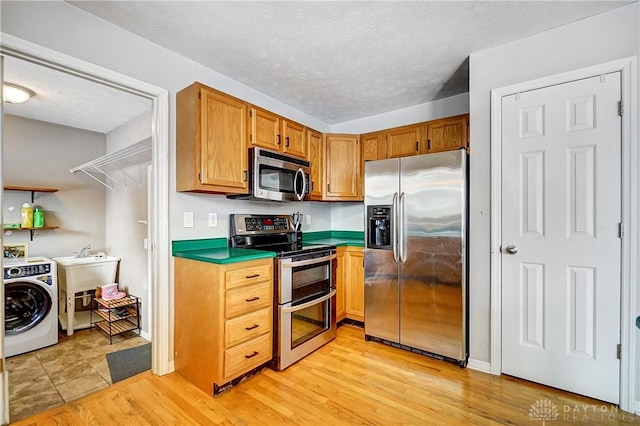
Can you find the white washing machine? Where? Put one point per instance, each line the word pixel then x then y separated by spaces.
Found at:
pixel 31 304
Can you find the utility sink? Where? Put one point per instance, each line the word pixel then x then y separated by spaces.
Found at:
pixel 80 275
pixel 72 260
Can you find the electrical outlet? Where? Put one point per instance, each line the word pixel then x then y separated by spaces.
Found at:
pixel 213 220
pixel 188 219
pixel 307 218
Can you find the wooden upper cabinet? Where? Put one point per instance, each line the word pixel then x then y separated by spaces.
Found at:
pixel 342 168
pixel 270 131
pixel 374 146
pixel 315 149
pixel 293 141
pixel 264 129
pixel 404 141
pixel 211 141
pixel 448 134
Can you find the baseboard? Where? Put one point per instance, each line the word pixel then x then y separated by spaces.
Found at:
pixel 145 335
pixel 478 365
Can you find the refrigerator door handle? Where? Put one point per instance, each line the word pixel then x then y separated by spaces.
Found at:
pixel 394 239
pixel 402 239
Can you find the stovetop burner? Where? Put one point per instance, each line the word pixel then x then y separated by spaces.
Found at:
pixel 275 233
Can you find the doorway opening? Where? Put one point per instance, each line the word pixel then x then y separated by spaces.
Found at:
pixel 156 275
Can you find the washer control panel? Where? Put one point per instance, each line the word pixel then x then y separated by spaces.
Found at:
pixel 26 270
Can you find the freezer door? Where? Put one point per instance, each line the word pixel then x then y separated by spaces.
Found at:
pixel 432 252
pixel 381 297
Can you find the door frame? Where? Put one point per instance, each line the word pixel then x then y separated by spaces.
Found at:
pixel 630 272
pixel 158 231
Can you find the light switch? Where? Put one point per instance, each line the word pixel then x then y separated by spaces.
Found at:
pixel 188 219
pixel 213 220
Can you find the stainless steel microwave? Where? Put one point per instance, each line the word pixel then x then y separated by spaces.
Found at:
pixel 276 177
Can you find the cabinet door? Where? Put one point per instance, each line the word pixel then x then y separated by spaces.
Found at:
pixel 314 140
pixel 403 141
pixel 354 285
pixel 265 129
pixel 447 134
pixel 342 168
pixel 374 146
pixel 340 284
pixel 293 141
pixel 223 140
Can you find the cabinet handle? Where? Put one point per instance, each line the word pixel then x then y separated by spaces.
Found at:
pixel 252 276
pixel 245 176
pixel 417 146
pixel 252 327
pixel 278 139
pixel 312 185
pixel 253 299
pixel 286 141
pixel 429 144
pixel 252 355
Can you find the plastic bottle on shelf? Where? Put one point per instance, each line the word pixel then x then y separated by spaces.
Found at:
pixel 26 216
pixel 38 218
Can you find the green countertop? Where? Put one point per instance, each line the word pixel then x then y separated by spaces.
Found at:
pixel 215 250
pixel 337 238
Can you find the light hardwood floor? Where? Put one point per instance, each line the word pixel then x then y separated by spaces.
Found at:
pixel 346 382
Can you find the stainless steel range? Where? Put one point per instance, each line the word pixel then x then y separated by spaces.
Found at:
pixel 305 284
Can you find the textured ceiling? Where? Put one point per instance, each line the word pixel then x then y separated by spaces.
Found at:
pixel 336 61
pixel 341 60
pixel 69 100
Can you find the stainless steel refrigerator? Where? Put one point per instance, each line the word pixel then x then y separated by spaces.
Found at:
pixel 415 253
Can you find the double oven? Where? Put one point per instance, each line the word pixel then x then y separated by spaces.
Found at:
pixel 304 285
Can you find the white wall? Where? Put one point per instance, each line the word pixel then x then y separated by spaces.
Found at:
pixel 84 36
pixel 125 206
pixel 447 107
pixel 602 38
pixel 40 154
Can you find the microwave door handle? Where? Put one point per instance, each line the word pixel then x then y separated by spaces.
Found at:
pixel 308 262
pixel 308 304
pixel 300 173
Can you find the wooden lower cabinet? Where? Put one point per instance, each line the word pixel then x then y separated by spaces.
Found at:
pixel 223 320
pixel 350 283
pixel 354 283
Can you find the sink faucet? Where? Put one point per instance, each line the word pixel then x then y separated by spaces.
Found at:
pixel 84 252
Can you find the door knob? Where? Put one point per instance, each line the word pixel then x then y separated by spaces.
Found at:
pixel 510 249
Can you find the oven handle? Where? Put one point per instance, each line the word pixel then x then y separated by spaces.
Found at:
pixel 308 262
pixel 308 304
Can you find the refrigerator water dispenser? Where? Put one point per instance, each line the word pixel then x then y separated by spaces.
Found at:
pixel 379 218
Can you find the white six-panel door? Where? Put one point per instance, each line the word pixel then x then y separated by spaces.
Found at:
pixel 561 251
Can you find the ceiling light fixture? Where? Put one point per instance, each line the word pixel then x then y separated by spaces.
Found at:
pixel 14 94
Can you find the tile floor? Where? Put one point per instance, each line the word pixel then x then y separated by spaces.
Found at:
pixel 75 367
